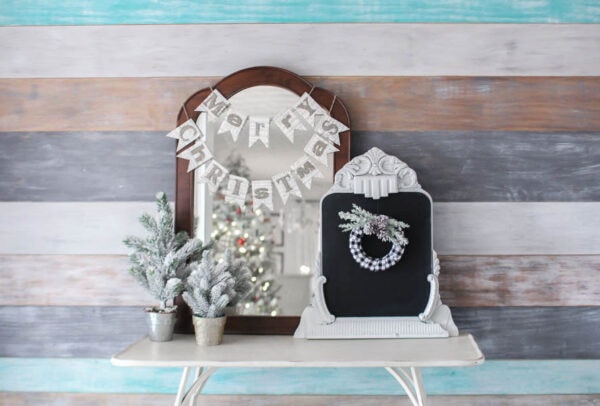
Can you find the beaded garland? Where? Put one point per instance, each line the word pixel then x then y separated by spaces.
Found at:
pixel 373 264
pixel 361 222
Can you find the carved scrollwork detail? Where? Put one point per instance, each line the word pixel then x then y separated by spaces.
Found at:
pixel 375 162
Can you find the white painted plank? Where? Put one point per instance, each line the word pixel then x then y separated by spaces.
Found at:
pixel 69 228
pixel 459 228
pixel 517 228
pixel 308 49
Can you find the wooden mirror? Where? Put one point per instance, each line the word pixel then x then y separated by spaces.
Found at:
pixel 249 81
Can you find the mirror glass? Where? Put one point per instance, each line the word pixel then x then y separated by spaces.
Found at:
pixel 279 245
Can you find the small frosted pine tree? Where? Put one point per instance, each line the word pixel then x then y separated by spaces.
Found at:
pixel 212 286
pixel 161 261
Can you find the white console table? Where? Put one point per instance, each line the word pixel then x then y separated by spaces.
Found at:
pixel 402 358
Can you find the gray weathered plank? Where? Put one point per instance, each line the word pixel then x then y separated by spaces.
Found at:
pixel 501 332
pixel 533 332
pixel 60 331
pixel 496 166
pixel 451 166
pixel 90 166
pixel 101 399
pixel 343 50
pixel 496 228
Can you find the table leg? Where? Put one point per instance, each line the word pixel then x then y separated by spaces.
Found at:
pixel 412 383
pixel 202 378
pixel 182 385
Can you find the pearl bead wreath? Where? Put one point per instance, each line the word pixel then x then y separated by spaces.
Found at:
pixel 373 264
pixel 360 223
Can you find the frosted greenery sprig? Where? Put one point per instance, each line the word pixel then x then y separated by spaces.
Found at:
pixel 160 261
pixel 212 286
pixel 383 227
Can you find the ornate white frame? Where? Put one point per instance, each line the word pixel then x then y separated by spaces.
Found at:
pixel 376 174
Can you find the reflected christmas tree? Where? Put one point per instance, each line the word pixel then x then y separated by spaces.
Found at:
pixel 248 233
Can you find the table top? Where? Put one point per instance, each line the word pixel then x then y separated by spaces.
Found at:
pixel 287 351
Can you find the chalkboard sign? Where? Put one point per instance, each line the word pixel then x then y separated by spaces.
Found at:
pixel 361 289
pixel 403 289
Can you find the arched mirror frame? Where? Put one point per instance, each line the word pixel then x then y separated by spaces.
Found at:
pixel 184 181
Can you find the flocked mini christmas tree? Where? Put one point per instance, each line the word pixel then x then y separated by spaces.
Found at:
pixel 160 262
pixel 248 233
pixel 214 285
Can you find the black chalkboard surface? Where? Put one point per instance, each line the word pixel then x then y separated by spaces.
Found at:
pixel 402 290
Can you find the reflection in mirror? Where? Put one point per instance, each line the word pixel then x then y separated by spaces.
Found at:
pixel 279 245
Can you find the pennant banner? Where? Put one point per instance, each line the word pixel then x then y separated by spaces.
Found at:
pixel 233 123
pixel 318 149
pixel 262 194
pixel 308 109
pixel 186 133
pixel 305 170
pixel 305 115
pixel 286 185
pixel 236 190
pixel 198 154
pixel 214 174
pixel 259 130
pixel 215 104
pixel 329 128
pixel 288 122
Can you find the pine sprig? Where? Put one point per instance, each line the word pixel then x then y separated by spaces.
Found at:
pixel 386 228
pixel 160 261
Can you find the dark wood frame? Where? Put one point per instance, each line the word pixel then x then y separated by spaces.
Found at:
pixel 184 181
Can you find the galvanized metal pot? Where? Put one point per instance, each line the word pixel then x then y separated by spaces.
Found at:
pixel 160 325
pixel 209 331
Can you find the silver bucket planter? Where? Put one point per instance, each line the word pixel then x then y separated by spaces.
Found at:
pixel 209 331
pixel 160 325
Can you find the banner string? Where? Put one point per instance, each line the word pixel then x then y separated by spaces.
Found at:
pixel 332 103
pixel 185 111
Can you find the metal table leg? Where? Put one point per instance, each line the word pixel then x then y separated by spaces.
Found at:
pixel 182 385
pixel 412 383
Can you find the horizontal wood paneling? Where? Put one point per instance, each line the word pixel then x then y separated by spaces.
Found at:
pixel 89 166
pixel 516 228
pixel 385 103
pixel 492 378
pixel 96 399
pixel 83 228
pixel 343 50
pixel 468 281
pixel 69 280
pixel 69 228
pixel 451 166
pixel 501 332
pixel 520 280
pixel 533 332
pixel 70 12
pixel 496 166
pixel 63 331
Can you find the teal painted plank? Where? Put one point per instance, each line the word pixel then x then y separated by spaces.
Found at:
pixel 491 378
pixel 99 12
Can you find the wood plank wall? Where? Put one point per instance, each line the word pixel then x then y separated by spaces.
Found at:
pixel 499 115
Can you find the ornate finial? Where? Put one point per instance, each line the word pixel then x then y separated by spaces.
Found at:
pixel 376 174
